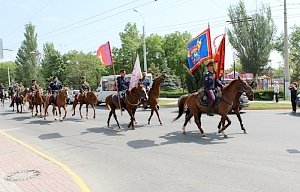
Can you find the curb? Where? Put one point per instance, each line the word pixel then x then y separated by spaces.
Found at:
pixel 74 176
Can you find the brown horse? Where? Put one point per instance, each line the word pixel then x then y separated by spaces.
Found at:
pixel 38 101
pixel 61 102
pixel 235 107
pixel 132 100
pixel 89 99
pixel 17 98
pixel 195 108
pixel 153 96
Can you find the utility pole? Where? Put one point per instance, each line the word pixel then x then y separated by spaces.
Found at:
pixel 286 55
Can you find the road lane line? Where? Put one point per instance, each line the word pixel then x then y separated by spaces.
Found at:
pixel 11 129
pixel 68 170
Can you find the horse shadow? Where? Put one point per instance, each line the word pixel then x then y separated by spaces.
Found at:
pixel 21 118
pixel 6 113
pixel 193 137
pixel 50 136
pixel 41 122
pixel 105 131
pixel 137 144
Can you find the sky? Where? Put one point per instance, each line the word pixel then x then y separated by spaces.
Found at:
pixel 84 25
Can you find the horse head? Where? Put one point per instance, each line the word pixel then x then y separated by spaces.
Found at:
pixel 64 91
pixel 140 90
pixel 249 92
pixel 160 79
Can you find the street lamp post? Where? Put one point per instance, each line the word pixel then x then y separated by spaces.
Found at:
pixel 144 41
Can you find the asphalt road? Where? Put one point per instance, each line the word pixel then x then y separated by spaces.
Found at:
pixel 160 158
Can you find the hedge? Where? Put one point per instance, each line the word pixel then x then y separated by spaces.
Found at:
pixel 173 94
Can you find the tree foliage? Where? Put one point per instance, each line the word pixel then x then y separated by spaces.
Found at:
pixel 294 51
pixel 4 71
pixel 53 63
pixel 27 61
pixel 252 39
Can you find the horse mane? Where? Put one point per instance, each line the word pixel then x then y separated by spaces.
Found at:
pixel 230 84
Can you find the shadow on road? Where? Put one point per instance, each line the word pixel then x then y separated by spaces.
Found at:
pixel 50 136
pixel 105 131
pixel 178 137
pixel 21 118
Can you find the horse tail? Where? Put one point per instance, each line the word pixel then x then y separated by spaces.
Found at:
pixel 108 100
pixel 181 103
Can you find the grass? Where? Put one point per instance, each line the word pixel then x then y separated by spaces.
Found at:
pixel 255 105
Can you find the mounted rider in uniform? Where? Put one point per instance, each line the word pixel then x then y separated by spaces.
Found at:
pixel 34 86
pixel 209 86
pixel 2 89
pixel 146 82
pixel 55 86
pixel 123 86
pixel 84 88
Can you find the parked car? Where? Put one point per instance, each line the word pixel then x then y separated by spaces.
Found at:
pixel 244 101
pixel 71 96
pixel 298 100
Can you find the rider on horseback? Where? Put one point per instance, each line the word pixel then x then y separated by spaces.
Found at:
pixel 209 87
pixel 55 86
pixel 34 86
pixel 84 88
pixel 146 82
pixel 123 86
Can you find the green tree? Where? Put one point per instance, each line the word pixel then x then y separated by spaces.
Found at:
pixel 81 64
pixel 294 52
pixel 155 71
pixel 252 39
pixel 175 52
pixel 125 56
pixel 4 71
pixel 171 82
pixel 155 51
pixel 53 63
pixel 27 62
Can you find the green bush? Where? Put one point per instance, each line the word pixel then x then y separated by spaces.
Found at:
pixel 266 95
pixel 173 94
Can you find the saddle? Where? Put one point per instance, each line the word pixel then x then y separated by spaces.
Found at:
pixel 203 98
pixel 115 99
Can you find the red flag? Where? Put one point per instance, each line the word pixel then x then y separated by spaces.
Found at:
pixel 220 58
pixel 104 54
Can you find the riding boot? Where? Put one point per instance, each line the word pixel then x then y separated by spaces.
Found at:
pixel 210 110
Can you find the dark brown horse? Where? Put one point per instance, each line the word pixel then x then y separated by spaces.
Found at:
pixel 132 100
pixel 195 108
pixel 61 102
pixel 235 107
pixel 38 101
pixel 89 99
pixel 17 98
pixel 153 96
pixel 2 98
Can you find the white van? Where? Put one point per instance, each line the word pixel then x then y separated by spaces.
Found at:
pixel 107 86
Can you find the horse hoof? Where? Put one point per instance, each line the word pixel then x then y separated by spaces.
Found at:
pixel 148 122
pixel 245 132
pixel 133 128
pixel 225 136
pixel 204 135
pixel 61 120
pixel 161 123
pixel 184 133
pixel 73 114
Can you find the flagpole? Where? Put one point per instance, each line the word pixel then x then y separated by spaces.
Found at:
pixel 113 65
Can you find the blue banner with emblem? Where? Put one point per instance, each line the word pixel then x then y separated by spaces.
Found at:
pixel 199 50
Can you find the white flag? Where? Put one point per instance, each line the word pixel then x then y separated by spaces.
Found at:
pixel 136 73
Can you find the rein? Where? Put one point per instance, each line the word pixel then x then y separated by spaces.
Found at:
pixel 134 104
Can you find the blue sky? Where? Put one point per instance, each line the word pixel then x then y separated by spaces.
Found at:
pixel 84 25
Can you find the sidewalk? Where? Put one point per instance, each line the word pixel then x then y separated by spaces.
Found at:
pixel 22 170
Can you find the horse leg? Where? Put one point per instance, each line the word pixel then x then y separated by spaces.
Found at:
pixel 36 110
pixel 46 110
pixel 94 108
pixel 54 111
pixel 197 117
pixel 224 118
pixel 115 116
pixel 109 116
pixel 64 107
pixel 156 111
pixel 80 109
pixel 152 110
pixel 74 107
pixel 87 111
pixel 188 117
pixel 237 112
pixel 59 110
pixel 131 124
pixel 40 110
